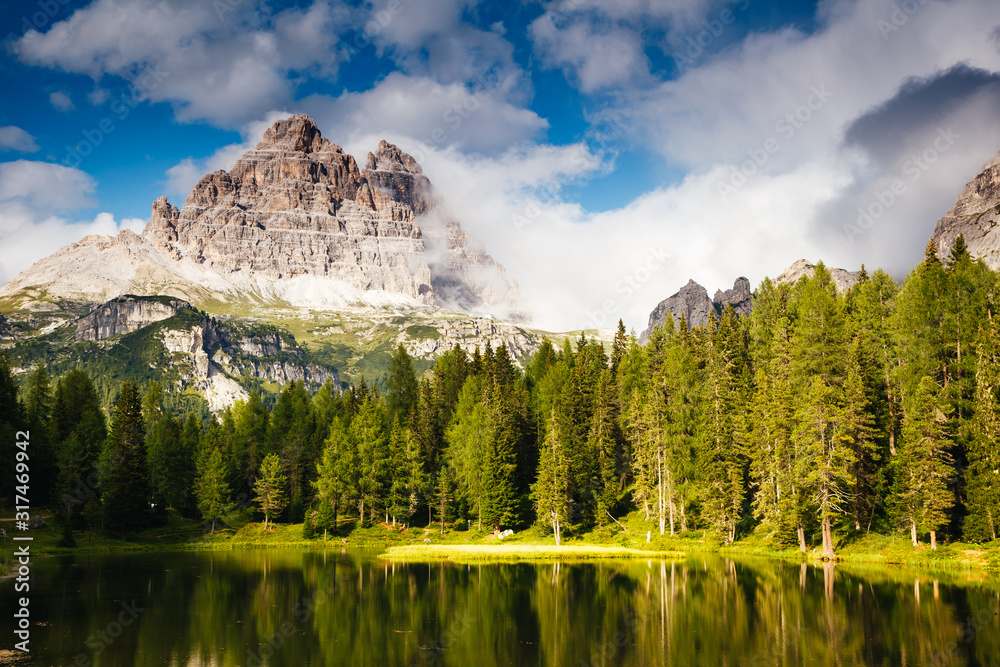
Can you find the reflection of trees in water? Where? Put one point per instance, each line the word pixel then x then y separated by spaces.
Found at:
pixel 312 607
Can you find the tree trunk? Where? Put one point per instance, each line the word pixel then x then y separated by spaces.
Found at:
pixel 659 491
pixel 828 540
pixel 913 532
pixel 361 516
pixel 555 530
pixel 670 500
pixel 684 520
pixel 801 531
pixel 933 541
pixel 213 526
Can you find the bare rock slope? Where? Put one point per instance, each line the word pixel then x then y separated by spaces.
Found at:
pixel 975 215
pixel 295 220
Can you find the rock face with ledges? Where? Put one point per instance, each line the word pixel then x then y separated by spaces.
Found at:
pixel 692 302
pixel 975 215
pixel 296 221
pixel 124 315
pixel 842 279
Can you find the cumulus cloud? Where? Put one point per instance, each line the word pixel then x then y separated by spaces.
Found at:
pixel 13 138
pixel 61 101
pixel 37 205
pixel 222 62
pixel 596 56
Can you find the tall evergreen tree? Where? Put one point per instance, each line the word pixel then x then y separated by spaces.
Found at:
pixel 124 475
pixel 550 492
pixel 211 488
pixel 921 498
pixel 270 488
pixel 983 474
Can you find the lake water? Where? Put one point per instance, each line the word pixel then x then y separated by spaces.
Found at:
pixel 300 608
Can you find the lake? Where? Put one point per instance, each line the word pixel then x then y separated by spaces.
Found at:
pixel 347 607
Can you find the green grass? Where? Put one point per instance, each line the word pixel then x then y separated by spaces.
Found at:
pixel 474 553
pixel 628 540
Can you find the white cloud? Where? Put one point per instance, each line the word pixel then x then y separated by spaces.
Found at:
pixel 223 62
pixel 596 56
pixel 477 118
pixel 33 224
pixel 13 138
pixel 61 101
pixel 46 186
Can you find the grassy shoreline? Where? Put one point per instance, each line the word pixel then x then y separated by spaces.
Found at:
pixel 629 539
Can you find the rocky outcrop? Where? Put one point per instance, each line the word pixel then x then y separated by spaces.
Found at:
pixel 975 215
pixel 472 333
pixel 297 221
pixel 124 315
pixel 692 303
pixel 843 279
pixel 212 356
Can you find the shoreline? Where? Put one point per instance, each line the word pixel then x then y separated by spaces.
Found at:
pixel 423 544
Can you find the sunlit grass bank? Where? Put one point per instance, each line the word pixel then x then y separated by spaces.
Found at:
pixel 632 537
pixel 466 553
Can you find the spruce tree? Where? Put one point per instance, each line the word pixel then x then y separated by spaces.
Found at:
pixel 270 488
pixel 982 477
pixel 921 497
pixel 124 476
pixel 211 488
pixel 550 492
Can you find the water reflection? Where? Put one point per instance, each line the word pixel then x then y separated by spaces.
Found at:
pixel 347 607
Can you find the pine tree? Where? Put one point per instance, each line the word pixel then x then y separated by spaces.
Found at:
pixel 335 478
pixel 467 438
pixel 618 347
pixel 500 458
pixel 983 474
pixel 603 441
pixel 368 430
pixel 921 498
pixel 550 491
pixel 211 488
pixel 401 383
pixel 124 476
pixel 270 488
pixel 38 405
pixel 826 459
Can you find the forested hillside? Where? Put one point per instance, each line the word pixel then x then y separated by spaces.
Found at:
pixel 820 413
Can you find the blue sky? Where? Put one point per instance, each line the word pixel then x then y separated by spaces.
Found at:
pixel 580 141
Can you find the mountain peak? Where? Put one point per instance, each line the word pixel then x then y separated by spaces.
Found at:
pixel 975 215
pixel 296 133
pixel 388 157
pixel 294 221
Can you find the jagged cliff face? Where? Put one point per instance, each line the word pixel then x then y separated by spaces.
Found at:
pixel 842 279
pixel 692 303
pixel 125 315
pixel 975 215
pixel 295 220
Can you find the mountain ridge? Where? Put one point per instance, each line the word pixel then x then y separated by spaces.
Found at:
pixel 296 220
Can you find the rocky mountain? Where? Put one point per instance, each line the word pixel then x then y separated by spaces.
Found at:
pixel 194 356
pixel 295 221
pixel 692 302
pixel 975 215
pixel 842 278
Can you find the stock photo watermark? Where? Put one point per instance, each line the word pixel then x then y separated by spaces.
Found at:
pixel 48 10
pixel 714 28
pixel 121 107
pixel 900 16
pixel 786 128
pixel 910 172
pixel 628 287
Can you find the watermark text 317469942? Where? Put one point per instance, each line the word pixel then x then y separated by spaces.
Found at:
pixel 22 556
